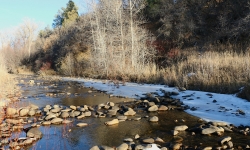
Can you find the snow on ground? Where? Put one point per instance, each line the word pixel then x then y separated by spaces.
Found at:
pixel 209 106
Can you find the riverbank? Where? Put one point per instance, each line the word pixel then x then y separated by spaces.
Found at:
pixel 206 105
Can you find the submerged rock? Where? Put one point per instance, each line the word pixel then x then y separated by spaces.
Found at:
pixel 112 122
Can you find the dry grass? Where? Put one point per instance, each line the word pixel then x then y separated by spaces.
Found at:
pixel 224 72
pixel 7 81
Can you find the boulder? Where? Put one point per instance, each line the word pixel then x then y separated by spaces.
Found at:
pixel 163 108
pixel 95 148
pixel 34 132
pixel 64 114
pixel 224 139
pixel 32 112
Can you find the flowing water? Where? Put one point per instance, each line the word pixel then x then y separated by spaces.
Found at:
pixel 63 137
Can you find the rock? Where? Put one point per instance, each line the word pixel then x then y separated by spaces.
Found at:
pixel 122 117
pixel 164 148
pixel 224 139
pixel 82 124
pixel 56 121
pixel 11 111
pixel 64 114
pixel 212 129
pixel 14 121
pixel 178 139
pixel 137 136
pixel 23 112
pixel 95 148
pixel 31 82
pixel 111 104
pixel 50 116
pixel 130 112
pixel 55 110
pixel 112 122
pixel 151 147
pixel 123 146
pixel 181 128
pixel 32 106
pixel 163 108
pixel 81 116
pixel 154 119
pixel 174 132
pixel 230 144
pixel 66 121
pixel 46 123
pixel 72 107
pixel 27 142
pixel 32 112
pixel 159 140
pixel 34 132
pixel 77 113
pixel 208 148
pixel 220 123
pixel 87 114
pixel 112 112
pixel 139 147
pixel 72 114
pixel 128 140
pixel 107 148
pixel 153 108
pixel 176 146
pixel 148 140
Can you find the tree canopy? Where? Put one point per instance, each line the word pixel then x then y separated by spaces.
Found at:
pixel 66 16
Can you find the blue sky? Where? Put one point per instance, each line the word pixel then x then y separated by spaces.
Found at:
pixel 12 12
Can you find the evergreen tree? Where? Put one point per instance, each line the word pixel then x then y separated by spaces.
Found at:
pixel 67 15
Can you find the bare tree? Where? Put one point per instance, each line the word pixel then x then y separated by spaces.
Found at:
pixel 119 40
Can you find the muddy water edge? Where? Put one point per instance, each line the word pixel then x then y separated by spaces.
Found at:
pixel 48 91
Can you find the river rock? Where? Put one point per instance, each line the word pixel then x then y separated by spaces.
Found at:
pixel 178 139
pixel 163 108
pixel 14 121
pixel 81 116
pixel 95 148
pixel 212 129
pixel 72 107
pixel 137 136
pixel 46 123
pixel 87 114
pixel 154 119
pixel 82 124
pixel 23 112
pixel 224 139
pixel 112 122
pixel 148 140
pixel 220 123
pixel 128 140
pixel 159 140
pixel 34 132
pixel 139 147
pixel 130 112
pixel 176 146
pixel 32 112
pixel 123 146
pixel 11 111
pixel 27 141
pixel 66 121
pixel 111 104
pixel 112 112
pixel 122 117
pixel 181 128
pixel 50 116
pixel 107 148
pixel 153 108
pixel 32 106
pixel 55 110
pixel 56 121
pixel 64 114
pixel 77 113
pixel 174 132
pixel 230 144
pixel 72 114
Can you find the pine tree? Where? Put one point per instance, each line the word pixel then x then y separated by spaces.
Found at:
pixel 67 15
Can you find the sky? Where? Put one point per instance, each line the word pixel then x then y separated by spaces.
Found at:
pixel 12 12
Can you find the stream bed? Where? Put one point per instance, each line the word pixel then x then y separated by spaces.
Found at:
pixel 69 136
